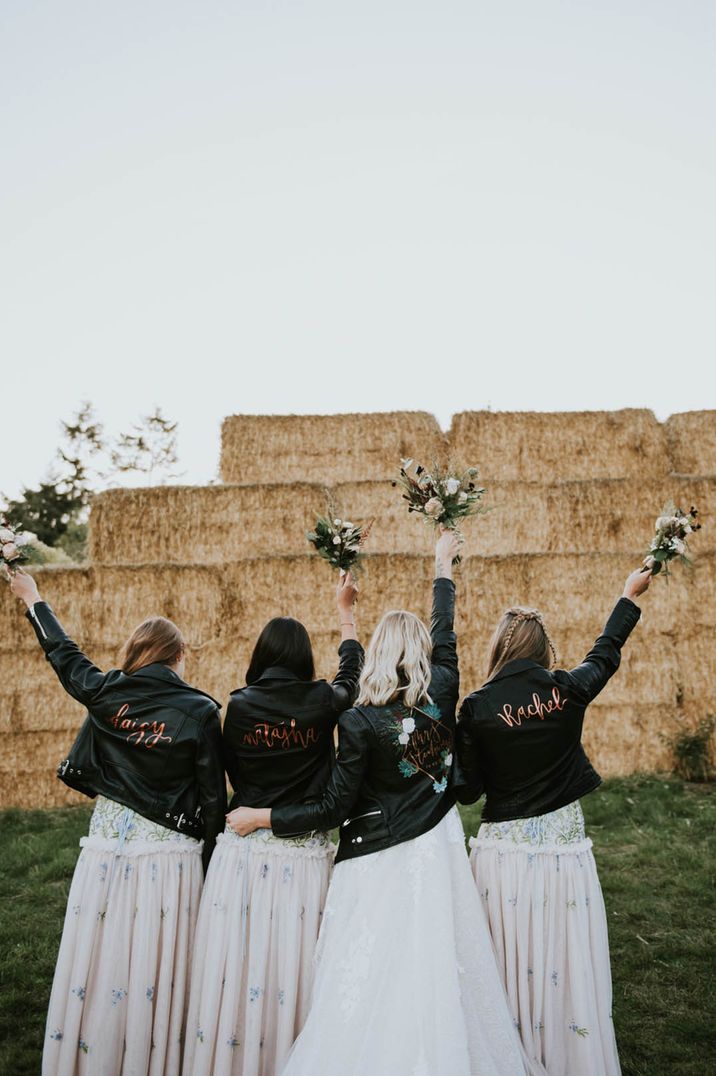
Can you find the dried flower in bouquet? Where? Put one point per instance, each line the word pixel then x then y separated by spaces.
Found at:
pixel 13 546
pixel 670 539
pixel 339 541
pixel 442 496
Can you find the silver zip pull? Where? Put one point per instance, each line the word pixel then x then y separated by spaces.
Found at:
pixel 368 814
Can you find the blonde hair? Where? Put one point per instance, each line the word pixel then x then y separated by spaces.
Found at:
pixel 520 634
pixel 397 662
pixel 156 639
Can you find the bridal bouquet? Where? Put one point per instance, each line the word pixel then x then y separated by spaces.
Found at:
pixel 670 539
pixel 339 541
pixel 443 497
pixel 12 546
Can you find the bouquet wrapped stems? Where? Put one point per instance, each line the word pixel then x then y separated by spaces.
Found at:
pixel 339 541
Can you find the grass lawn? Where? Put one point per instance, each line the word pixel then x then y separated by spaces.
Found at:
pixel 654 842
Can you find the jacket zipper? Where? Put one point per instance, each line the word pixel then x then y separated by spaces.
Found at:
pixel 34 617
pixel 368 814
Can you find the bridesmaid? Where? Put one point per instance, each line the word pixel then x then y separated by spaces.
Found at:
pixel 519 741
pixel 264 895
pixel 150 751
pixel 406 981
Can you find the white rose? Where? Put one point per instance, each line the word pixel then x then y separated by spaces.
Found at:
pixel 10 551
pixel 22 539
pixel 433 508
pixel 663 522
pixel 452 485
pixel 337 522
pixel 337 540
pixel 408 724
pixel 6 536
pixel 462 498
pixel 677 545
pixel 347 526
pixel 403 738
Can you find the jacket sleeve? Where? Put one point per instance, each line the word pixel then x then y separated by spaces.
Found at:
pixel 441 626
pixel 211 782
pixel 78 676
pixel 345 685
pixel 467 782
pixel 342 789
pixel 602 661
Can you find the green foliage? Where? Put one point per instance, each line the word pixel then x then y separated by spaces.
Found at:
pixel 56 511
pixel 46 511
pixel 693 751
pixel 653 840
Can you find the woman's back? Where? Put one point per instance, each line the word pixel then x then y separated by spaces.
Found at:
pixel 278 732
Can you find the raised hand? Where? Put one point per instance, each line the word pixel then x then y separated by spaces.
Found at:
pixel 24 587
pixel 636 583
pixel 447 549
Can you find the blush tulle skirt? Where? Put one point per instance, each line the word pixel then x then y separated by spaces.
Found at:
pixel 538 884
pixel 254 947
pixel 120 989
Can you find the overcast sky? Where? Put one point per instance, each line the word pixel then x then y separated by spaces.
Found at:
pixel 277 206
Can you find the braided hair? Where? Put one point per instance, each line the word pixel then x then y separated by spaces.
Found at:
pixel 521 633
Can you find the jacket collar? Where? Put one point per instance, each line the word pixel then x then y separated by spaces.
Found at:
pixel 276 672
pixel 519 665
pixel 159 671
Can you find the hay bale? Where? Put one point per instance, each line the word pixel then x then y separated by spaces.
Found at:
pixel 691 438
pixel 32 699
pixel 29 791
pixel 201 525
pixel 263 449
pixel 696 650
pixel 533 446
pixel 597 515
pixel 33 752
pixel 66 589
pixel 621 740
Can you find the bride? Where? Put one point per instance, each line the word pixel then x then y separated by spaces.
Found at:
pixel 406 980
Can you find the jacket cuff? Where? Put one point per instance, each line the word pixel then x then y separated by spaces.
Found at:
pixel 46 625
pixel 350 644
pixel 285 821
pixel 441 582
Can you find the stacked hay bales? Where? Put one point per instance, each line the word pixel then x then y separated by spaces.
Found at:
pixel 575 497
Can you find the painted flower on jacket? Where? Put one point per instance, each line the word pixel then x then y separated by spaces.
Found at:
pixel 408 724
pixel 440 786
pixel 407 769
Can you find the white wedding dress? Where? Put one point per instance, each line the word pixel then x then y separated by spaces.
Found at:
pixel 406 979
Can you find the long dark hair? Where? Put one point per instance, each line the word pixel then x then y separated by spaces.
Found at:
pixel 285 642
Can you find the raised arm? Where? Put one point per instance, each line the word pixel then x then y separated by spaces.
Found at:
pixel 340 795
pixel 443 613
pixel 602 661
pixel 350 652
pixel 78 676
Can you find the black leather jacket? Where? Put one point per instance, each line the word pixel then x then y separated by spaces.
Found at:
pixel 519 736
pixel 278 732
pixel 391 779
pixel 149 741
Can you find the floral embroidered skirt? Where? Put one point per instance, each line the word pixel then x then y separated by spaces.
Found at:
pixel 406 980
pixel 539 886
pixel 120 989
pixel 254 947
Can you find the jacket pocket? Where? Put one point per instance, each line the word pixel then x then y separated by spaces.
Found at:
pixel 364 828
